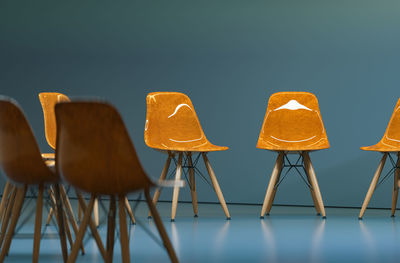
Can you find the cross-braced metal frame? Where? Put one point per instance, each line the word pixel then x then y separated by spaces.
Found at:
pixel 184 162
pixel 303 162
pixel 376 181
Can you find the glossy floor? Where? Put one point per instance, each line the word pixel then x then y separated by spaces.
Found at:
pixel 290 234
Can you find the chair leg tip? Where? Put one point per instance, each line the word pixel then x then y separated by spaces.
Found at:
pixel 172 220
pixel 196 216
pixel 392 216
pixel 228 218
pixel 149 217
pixel 324 217
pixel 359 218
pixel 261 217
pixel 318 214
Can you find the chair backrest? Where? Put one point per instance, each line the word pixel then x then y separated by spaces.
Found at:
pixel 293 122
pixel 20 156
pixel 172 122
pixel 94 151
pixel 48 100
pixel 392 133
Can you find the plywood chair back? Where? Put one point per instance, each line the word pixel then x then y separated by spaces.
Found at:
pixel 48 100
pixel 19 153
pixel 293 123
pixel 94 151
pixel 172 123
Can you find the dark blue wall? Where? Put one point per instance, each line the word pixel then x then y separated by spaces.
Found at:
pixel 229 57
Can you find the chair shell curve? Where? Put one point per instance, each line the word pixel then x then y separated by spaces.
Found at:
pixel 172 124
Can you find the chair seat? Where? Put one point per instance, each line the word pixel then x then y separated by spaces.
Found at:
pixel 208 147
pixel 48 156
pixel 381 147
pixel 287 146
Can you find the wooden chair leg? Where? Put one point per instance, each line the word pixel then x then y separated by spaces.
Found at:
pixel 70 214
pixel 93 228
pixel 16 210
pixel 216 186
pixel 82 230
pixel 162 177
pixel 175 196
pixel 313 196
pixel 395 186
pixel 314 183
pixel 123 230
pixel 272 182
pixel 59 213
pixel 111 229
pixel 129 211
pixel 192 182
pixel 274 192
pixel 373 185
pixel 38 225
pixel 7 214
pixel 160 228
pixel 96 212
pixel 4 198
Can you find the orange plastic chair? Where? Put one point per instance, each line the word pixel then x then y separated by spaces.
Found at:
pixel 24 167
pixel 293 125
pixel 48 100
pixel 172 127
pixel 95 154
pixel 389 144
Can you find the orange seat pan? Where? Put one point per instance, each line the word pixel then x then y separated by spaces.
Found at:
pixel 390 141
pixel 293 123
pixel 172 124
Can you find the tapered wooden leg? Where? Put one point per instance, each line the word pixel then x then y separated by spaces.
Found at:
pixel 96 212
pixel 314 183
pixel 373 185
pixel 82 230
pixel 111 229
pixel 314 198
pixel 16 210
pixel 175 196
pixel 4 198
pixel 216 186
pixel 38 225
pixel 160 228
pixel 70 213
pixel 60 220
pixel 192 181
pixel 7 214
pixel 395 186
pixel 274 193
pixel 93 228
pixel 162 177
pixel 123 230
pixel 272 182
pixel 129 210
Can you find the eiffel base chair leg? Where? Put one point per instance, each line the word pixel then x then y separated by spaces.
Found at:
pixel 7 214
pixel 373 185
pixel 129 211
pixel 396 185
pixel 273 194
pixel 162 177
pixel 314 184
pixel 4 199
pixel 271 190
pixel 160 228
pixel 175 195
pixel 216 186
pixel 192 182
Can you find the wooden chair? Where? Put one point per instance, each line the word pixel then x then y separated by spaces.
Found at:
pixel 94 153
pixel 388 145
pixel 48 100
pixel 172 127
pixel 23 165
pixel 293 125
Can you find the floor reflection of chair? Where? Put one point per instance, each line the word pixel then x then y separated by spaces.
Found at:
pixel 172 127
pixel 48 100
pixel 293 125
pixel 22 163
pixel 95 154
pixel 389 144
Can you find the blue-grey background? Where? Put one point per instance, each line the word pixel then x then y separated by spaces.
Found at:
pixel 229 57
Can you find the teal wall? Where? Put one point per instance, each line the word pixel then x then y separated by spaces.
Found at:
pixel 229 57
